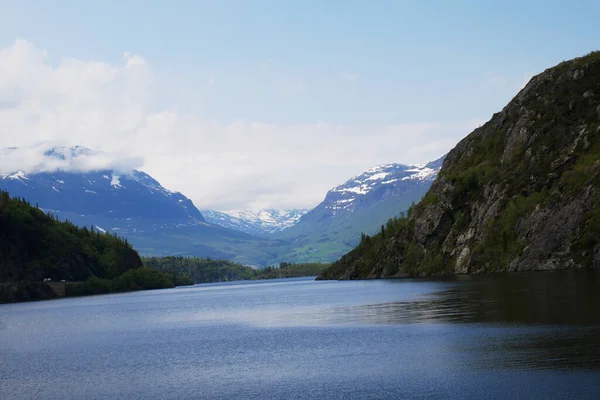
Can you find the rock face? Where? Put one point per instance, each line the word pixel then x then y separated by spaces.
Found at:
pixel 520 193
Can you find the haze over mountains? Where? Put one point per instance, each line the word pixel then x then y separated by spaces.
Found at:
pixel 158 221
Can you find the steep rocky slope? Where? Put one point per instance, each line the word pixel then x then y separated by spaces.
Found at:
pixel 520 193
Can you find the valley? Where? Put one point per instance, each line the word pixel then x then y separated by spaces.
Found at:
pixel 159 222
pixel 519 193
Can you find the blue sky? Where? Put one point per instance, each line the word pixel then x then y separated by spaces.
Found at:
pixel 361 65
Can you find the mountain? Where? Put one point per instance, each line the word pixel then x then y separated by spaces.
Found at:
pixel 155 220
pixel 160 222
pixel 362 204
pixel 255 222
pixel 34 246
pixel 374 186
pixel 520 193
pixel 122 199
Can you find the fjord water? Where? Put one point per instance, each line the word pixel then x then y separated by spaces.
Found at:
pixel 494 337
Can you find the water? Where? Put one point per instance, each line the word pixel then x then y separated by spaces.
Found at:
pixel 494 337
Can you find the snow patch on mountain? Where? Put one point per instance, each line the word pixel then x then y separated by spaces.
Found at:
pixel 378 176
pixel 18 175
pixel 422 174
pixel 255 222
pixel 115 181
pixel 99 193
pixel 385 178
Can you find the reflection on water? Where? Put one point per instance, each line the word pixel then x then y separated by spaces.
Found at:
pixel 544 348
pixel 534 298
pixel 558 313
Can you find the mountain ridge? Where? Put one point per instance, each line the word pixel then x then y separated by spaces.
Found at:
pixel 35 246
pixel 261 222
pixel 132 204
pixel 361 204
pixel 158 221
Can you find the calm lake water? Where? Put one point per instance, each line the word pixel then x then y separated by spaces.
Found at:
pixel 493 337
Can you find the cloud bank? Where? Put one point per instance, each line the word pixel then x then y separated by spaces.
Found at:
pixel 118 109
pixel 43 157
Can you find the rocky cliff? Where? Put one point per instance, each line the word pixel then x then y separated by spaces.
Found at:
pixel 522 192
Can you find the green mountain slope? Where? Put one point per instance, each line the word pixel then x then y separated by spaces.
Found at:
pixel 325 239
pixel 361 204
pixel 522 192
pixel 35 246
pixel 207 241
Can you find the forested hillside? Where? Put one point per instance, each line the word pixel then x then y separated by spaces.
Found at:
pixel 35 246
pixel 205 270
pixel 289 270
pixel 200 270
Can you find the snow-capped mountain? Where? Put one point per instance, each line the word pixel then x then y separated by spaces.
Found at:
pixel 378 183
pixel 78 184
pixel 117 200
pixel 362 204
pixel 255 222
pixel 66 182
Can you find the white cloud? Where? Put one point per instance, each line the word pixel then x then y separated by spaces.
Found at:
pixel 238 165
pixel 37 158
pixel 350 77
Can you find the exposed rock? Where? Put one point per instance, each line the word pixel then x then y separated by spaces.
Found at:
pixel 596 256
pixel 577 74
pixel 462 262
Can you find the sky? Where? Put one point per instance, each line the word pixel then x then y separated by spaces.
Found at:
pixel 269 104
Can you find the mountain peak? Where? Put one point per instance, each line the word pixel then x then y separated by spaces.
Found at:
pixel 383 179
pixel 38 159
pixel 71 180
pixel 65 152
pixel 255 221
